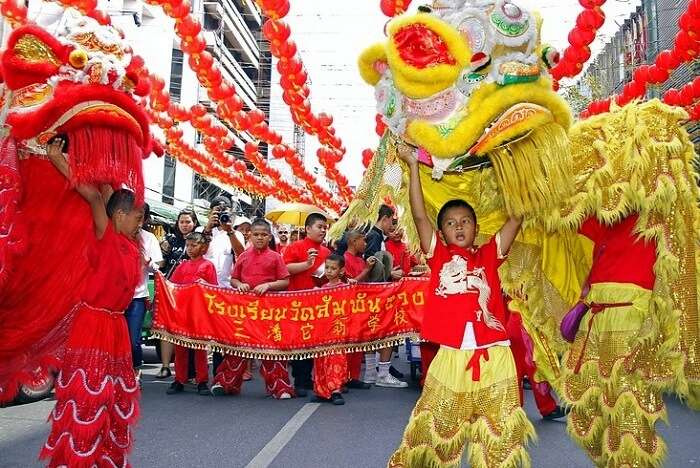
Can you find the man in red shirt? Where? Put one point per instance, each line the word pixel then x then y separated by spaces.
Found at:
pixel 305 261
pixel 258 270
pixel 188 272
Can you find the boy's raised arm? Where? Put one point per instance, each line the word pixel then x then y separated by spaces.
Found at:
pixel 415 194
pixel 507 234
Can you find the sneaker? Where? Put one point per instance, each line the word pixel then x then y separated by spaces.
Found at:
pixel 317 399
pixel 203 389
pixel 359 384
pixel 175 387
pixel 390 381
pixel 284 396
pixel 337 399
pixel 218 390
pixel 558 413
pixel 395 372
pixel 300 392
pixel 344 390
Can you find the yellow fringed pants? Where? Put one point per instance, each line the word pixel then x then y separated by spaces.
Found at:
pixel 455 410
pixel 615 397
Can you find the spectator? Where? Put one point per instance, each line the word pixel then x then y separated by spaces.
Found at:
pixel 188 272
pixel 305 261
pixel 331 371
pixel 293 236
pixel 173 247
pixel 283 236
pixel 242 225
pixel 224 246
pixel 387 375
pixel 259 270
pixel 135 313
pixel 403 260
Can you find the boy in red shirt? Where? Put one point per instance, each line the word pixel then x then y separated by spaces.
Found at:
pixel 305 261
pixel 472 385
pixel 258 269
pixel 358 269
pixel 188 272
pixel 331 371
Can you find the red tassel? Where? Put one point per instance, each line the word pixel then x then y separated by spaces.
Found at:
pixel 102 155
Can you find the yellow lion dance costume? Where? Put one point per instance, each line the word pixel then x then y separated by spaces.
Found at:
pixel 466 83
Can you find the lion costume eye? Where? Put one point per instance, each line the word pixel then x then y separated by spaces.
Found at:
pixel 422 47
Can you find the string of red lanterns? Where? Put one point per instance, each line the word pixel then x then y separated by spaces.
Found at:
pixel 229 105
pixel 296 93
pixel 686 47
pixel 688 97
pixel 588 22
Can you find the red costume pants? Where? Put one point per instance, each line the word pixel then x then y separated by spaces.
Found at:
pixel 330 374
pixel 355 364
pixel 230 375
pixel 182 365
pixel 521 346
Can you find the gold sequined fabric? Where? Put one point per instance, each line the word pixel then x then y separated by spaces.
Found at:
pixel 616 397
pixel 454 411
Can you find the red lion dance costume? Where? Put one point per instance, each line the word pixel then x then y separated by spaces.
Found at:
pixel 80 82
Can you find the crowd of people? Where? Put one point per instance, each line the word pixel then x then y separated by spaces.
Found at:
pixel 255 256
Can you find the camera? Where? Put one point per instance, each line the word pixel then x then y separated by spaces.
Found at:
pixel 224 218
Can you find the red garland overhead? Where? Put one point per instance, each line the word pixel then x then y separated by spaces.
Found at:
pixel 686 47
pixel 588 22
pixel 293 80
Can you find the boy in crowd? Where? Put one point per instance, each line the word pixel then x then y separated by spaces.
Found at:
pixel 305 261
pixel 188 272
pixel 258 270
pixel 331 372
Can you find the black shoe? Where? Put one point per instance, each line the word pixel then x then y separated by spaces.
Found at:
pixel 337 399
pixel 526 384
pixel 203 389
pixel 344 390
pixel 175 387
pixel 300 392
pixel 393 371
pixel 317 399
pixel 558 413
pixel 354 383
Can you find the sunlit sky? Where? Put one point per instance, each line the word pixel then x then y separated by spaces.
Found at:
pixel 331 34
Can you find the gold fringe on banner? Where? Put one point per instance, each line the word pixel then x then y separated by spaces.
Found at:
pixel 282 355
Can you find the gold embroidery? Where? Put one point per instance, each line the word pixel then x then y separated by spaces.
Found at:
pixel 92 43
pixel 33 50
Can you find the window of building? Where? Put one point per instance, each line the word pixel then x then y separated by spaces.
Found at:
pixel 169 168
pixel 176 75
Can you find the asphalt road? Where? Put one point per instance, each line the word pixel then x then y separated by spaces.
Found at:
pixel 251 430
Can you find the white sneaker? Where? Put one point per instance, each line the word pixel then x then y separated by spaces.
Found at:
pixel 390 381
pixel 285 396
pixel 218 390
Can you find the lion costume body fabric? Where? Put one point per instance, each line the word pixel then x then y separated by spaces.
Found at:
pixel 609 203
pixel 80 81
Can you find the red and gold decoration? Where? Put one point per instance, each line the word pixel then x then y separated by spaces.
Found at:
pixel 289 325
pixel 393 8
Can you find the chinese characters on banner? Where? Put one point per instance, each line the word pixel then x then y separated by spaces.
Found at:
pixel 289 325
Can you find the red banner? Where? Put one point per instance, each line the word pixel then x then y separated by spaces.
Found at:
pixel 289 325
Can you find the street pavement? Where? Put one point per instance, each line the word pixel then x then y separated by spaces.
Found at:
pixel 253 431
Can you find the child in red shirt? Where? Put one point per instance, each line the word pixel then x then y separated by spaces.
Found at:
pixel 188 272
pixel 472 385
pixel 331 372
pixel 258 269
pixel 305 261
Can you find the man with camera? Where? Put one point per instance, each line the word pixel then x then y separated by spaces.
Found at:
pixel 224 243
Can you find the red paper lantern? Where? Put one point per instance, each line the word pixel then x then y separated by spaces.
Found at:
pixel 187 27
pixel 641 74
pixel 590 4
pixel 657 75
pixel 581 37
pixel 591 19
pixel 672 97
